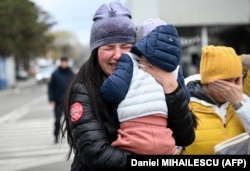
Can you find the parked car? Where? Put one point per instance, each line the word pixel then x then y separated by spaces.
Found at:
pixel 22 75
pixel 44 73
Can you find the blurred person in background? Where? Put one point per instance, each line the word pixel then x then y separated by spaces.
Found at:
pixel 246 73
pixel 57 86
pixel 217 99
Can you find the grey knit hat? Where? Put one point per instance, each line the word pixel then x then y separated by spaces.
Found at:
pixel 147 26
pixel 112 24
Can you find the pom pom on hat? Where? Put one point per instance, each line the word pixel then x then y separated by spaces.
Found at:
pixel 112 24
pixel 219 62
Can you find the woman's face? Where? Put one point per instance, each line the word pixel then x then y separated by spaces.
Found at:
pixel 109 55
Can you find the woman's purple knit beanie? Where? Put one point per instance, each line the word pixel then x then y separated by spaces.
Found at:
pixel 112 24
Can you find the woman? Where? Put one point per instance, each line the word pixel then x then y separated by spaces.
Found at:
pixel 217 99
pixel 89 123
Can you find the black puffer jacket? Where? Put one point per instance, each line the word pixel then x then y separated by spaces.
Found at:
pixel 93 149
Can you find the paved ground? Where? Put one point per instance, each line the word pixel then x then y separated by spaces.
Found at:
pixel 59 166
pixel 26 140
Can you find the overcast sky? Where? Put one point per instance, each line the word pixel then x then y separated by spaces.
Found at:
pixel 74 16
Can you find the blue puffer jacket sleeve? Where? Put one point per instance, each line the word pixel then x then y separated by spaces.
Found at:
pixel 115 87
pixel 161 47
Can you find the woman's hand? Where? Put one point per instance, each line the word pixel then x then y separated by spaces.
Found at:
pixel 231 90
pixel 166 79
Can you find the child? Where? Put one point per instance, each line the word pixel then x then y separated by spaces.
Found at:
pixel 139 99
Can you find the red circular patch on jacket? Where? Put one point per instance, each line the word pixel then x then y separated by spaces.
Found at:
pixel 76 111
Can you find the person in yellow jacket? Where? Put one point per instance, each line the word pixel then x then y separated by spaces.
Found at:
pixel 217 99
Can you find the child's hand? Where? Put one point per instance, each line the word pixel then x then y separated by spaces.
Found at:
pixel 166 79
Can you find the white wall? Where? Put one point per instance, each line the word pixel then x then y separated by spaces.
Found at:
pixel 191 12
pixel 10 71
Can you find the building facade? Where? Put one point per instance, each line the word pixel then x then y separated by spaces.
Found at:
pixel 199 23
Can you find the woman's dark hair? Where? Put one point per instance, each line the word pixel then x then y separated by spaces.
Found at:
pixel 92 76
